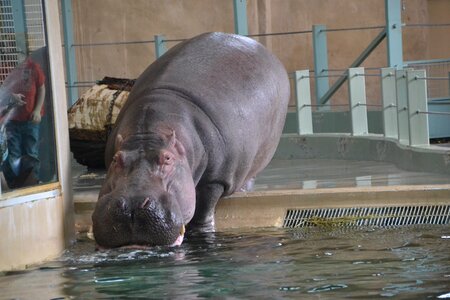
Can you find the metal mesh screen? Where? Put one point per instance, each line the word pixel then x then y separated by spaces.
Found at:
pixel 368 216
pixel 8 59
pixel 34 22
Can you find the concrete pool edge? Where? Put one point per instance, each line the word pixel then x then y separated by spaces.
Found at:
pixel 268 208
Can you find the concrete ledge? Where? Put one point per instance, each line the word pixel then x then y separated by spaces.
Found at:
pixel 32 232
pixel 268 208
pixel 370 147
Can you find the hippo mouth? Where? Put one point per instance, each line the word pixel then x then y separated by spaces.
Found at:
pixel 137 222
pixel 177 243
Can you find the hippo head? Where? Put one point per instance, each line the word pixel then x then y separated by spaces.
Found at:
pixel 148 195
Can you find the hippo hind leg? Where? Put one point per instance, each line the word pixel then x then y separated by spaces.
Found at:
pixel 207 197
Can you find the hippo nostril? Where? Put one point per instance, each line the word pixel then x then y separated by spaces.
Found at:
pixel 146 203
pixel 121 204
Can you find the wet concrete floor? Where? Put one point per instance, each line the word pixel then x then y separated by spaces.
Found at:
pixel 303 174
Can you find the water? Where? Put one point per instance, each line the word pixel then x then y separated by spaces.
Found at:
pixel 307 263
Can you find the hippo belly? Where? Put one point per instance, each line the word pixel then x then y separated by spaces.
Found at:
pixel 199 123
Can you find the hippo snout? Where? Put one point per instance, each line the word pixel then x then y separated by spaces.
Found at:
pixel 139 221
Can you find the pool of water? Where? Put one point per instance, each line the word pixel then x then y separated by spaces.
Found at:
pixel 307 263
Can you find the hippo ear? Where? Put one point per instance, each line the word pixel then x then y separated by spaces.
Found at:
pixel 118 142
pixel 172 139
pixel 175 144
pixel 118 160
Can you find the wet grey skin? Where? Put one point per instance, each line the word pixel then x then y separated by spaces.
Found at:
pixel 199 123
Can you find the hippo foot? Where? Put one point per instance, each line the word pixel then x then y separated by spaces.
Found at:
pixel 208 226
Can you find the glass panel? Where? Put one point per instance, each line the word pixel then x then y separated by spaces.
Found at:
pixel 27 144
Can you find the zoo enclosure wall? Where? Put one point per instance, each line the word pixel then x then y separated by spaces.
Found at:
pixel 123 32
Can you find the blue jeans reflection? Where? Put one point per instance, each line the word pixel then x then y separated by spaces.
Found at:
pixel 22 166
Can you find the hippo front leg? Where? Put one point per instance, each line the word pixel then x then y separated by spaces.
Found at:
pixel 207 197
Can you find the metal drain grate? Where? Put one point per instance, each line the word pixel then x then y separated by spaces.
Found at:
pixel 368 216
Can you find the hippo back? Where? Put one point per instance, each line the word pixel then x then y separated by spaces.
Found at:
pixel 240 86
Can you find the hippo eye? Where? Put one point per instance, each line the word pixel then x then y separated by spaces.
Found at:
pixel 166 158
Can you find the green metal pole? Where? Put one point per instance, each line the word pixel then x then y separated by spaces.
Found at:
pixel 71 66
pixel 320 61
pixel 394 33
pixel 240 17
pixel 20 26
pixel 160 47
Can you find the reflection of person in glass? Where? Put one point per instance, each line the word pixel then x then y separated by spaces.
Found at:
pixel 26 87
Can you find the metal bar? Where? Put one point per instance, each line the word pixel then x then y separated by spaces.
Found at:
pixel 240 17
pixel 443 113
pixel 320 62
pixel 431 78
pixel 378 39
pixel 426 25
pixel 112 43
pixel 160 47
pixel 353 28
pixel 280 33
pixel 342 70
pixel 371 105
pixel 388 92
pixel 426 62
pixel 393 10
pixel 335 70
pixel 322 105
pixel 303 99
pixel 357 99
pixel 71 66
pixel 371 75
pixel 326 76
pixel 417 101
pixel 175 40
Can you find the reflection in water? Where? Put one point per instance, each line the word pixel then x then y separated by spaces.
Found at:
pixel 305 174
pixel 333 173
pixel 411 263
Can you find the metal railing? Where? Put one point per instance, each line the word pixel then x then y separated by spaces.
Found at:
pixel 404 103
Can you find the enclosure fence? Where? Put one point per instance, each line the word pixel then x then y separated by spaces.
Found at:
pixel 404 103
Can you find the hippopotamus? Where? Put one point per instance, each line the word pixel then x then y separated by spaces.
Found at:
pixel 199 123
